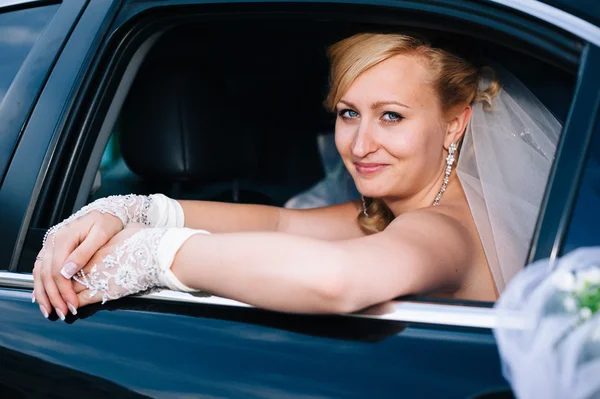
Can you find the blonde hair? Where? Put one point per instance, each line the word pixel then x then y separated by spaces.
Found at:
pixel 455 80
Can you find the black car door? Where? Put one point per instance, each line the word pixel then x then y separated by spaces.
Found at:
pixel 178 345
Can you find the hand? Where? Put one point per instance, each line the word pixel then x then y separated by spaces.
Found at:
pixel 126 265
pixel 64 253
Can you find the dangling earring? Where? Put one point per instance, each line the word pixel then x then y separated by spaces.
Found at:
pixel 364 203
pixel 449 162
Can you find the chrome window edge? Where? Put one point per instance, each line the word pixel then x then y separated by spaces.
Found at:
pixel 10 3
pixel 16 280
pixel 562 19
pixel 411 312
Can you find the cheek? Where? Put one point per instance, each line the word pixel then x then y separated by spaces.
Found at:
pixel 416 138
pixel 403 142
pixel 343 139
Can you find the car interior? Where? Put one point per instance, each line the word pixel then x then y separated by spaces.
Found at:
pixel 232 113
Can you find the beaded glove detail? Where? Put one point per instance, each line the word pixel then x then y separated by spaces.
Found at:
pixel 143 262
pixel 155 210
pixel 129 208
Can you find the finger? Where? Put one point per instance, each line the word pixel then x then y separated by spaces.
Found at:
pixel 80 279
pixel 54 296
pixel 95 239
pixel 39 291
pixel 81 255
pixel 77 286
pixel 36 267
pixel 85 298
pixel 65 242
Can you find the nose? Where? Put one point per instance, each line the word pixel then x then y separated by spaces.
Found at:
pixel 364 143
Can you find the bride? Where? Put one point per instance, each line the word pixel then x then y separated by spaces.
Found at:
pixel 403 105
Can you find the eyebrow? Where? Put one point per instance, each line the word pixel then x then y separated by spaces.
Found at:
pixel 382 103
pixel 377 104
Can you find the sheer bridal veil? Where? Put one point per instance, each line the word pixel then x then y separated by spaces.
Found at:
pixel 504 163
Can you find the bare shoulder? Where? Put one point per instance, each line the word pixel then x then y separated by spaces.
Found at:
pixel 441 220
pixel 447 238
pixel 442 234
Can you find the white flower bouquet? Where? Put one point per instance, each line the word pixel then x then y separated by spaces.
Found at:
pixel 556 353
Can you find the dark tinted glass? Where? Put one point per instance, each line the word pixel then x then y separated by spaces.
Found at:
pixel 19 30
pixel 585 224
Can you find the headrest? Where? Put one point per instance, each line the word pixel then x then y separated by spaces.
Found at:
pixel 209 104
pixel 178 123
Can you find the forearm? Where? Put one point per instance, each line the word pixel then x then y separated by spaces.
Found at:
pixel 336 222
pixel 292 274
pixel 221 217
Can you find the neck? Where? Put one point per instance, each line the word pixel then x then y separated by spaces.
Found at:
pixel 426 197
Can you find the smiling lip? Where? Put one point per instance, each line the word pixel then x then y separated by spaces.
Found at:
pixel 369 168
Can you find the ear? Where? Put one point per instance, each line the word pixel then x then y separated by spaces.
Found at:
pixel 457 126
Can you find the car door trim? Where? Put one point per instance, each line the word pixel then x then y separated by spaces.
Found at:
pixel 533 8
pixel 557 17
pixel 25 3
pixel 403 311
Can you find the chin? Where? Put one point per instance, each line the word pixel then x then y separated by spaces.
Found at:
pixel 377 188
pixel 374 185
pixel 369 191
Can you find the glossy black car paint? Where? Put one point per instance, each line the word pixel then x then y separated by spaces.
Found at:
pixel 141 347
pixel 167 350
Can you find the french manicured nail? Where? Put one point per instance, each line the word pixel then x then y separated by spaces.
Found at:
pixel 68 270
pixel 33 297
pixel 44 311
pixel 60 314
pixel 72 309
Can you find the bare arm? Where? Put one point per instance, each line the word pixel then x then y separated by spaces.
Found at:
pixel 329 223
pixel 420 252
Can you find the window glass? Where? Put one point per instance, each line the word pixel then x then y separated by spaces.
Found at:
pixel 585 223
pixel 19 30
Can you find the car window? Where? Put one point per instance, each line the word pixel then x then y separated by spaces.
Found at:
pixel 171 137
pixel 211 131
pixel 19 30
pixel 584 229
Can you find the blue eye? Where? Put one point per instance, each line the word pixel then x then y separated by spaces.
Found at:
pixel 392 117
pixel 348 114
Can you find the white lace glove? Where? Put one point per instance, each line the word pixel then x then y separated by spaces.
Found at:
pixel 156 210
pixel 141 263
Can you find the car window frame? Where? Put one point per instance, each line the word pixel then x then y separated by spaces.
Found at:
pixel 559 15
pixel 573 235
pixel 443 314
pixel 438 314
pixel 569 165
